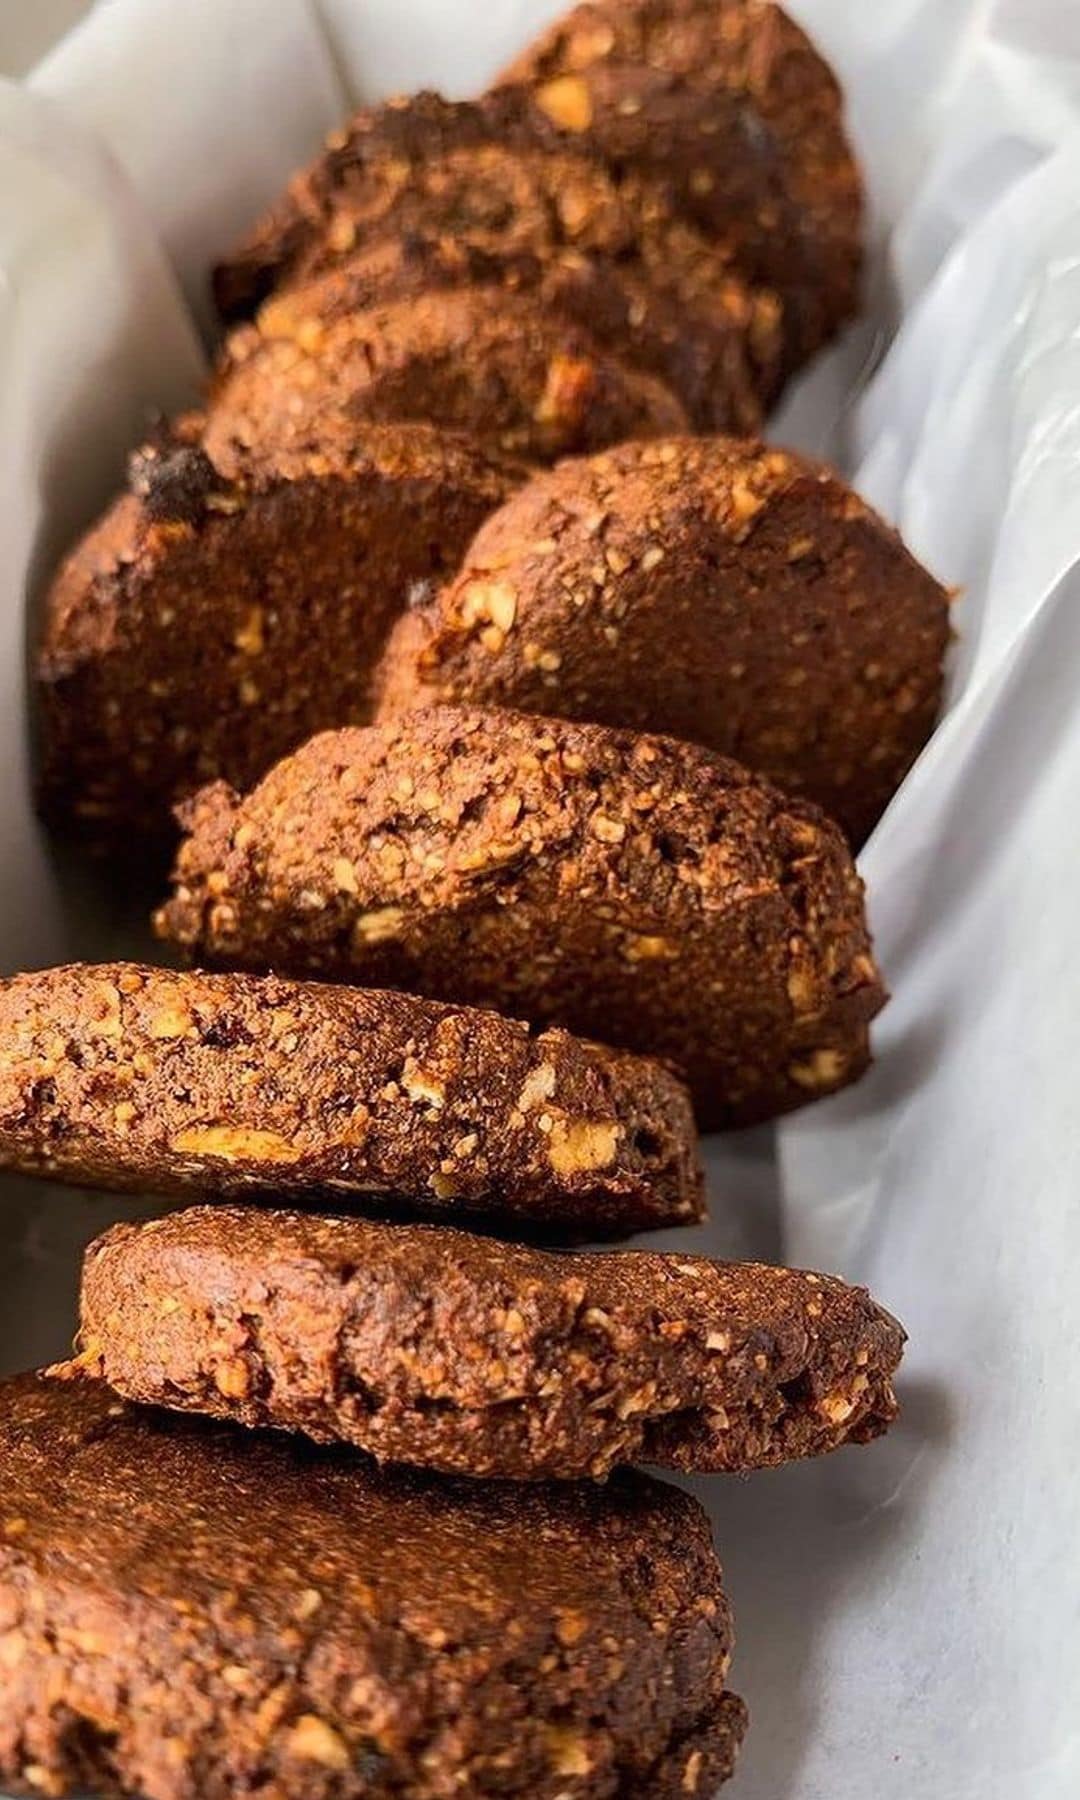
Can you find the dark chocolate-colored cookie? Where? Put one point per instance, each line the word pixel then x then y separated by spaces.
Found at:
pixel 639 890
pixel 192 1613
pixel 714 156
pixel 458 1353
pixel 518 378
pixel 749 49
pixel 229 605
pixel 495 180
pixel 740 596
pixel 118 1076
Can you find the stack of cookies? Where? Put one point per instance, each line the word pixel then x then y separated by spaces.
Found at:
pixel 332 1498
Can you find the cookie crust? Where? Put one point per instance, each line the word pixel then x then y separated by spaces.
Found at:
pixel 718 589
pixel 635 889
pixel 125 1077
pixel 190 1613
pixel 457 1353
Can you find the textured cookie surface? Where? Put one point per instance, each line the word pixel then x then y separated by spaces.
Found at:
pixel 496 181
pixel 717 589
pixel 120 1076
pixel 226 607
pixel 747 48
pixel 458 1353
pixel 642 891
pixel 481 360
pixel 192 1613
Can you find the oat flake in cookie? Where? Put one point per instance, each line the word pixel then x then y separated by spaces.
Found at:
pixel 715 588
pixel 119 1076
pixel 459 1353
pixel 638 890
pixel 194 1613
pixel 230 604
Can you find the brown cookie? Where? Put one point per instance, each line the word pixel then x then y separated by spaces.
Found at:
pixel 636 889
pixel 716 159
pixel 493 179
pixel 192 1613
pixel 229 605
pixel 720 590
pixel 118 1076
pixel 458 1353
pixel 747 48
pixel 520 380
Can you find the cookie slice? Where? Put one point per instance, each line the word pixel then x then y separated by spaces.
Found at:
pixel 230 604
pixel 496 180
pixel 749 49
pixel 717 589
pixel 118 1076
pixel 192 1613
pixel 641 891
pixel 498 365
pixel 435 1347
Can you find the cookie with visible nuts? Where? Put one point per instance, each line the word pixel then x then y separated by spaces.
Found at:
pixel 497 365
pixel 119 1076
pixel 191 1613
pixel 747 49
pixel 461 1354
pixel 495 180
pixel 635 889
pixel 230 604
pixel 717 589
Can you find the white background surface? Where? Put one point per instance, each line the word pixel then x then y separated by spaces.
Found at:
pixel 909 1614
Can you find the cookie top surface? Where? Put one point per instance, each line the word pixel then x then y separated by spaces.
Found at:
pixel 560 872
pixel 175 643
pixel 223 1607
pixel 497 365
pixel 122 1076
pixel 719 589
pixel 463 1354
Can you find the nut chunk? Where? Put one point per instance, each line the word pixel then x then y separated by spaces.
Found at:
pixel 463 1354
pixel 635 889
pixel 191 1613
pixel 120 1076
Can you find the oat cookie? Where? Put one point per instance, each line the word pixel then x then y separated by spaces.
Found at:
pixel 495 180
pixel 635 889
pixel 717 589
pixel 192 1613
pixel 120 1076
pixel 518 379
pixel 227 606
pixel 458 1353
pixel 752 50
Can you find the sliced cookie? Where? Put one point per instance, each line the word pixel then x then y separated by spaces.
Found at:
pixel 118 1076
pixel 642 891
pixel 435 1347
pixel 747 48
pixel 193 1613
pixel 494 179
pixel 230 604
pixel 520 380
pixel 717 589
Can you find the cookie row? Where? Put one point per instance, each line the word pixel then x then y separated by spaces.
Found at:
pixel 626 240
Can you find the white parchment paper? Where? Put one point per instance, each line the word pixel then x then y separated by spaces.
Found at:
pixel 910 1614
